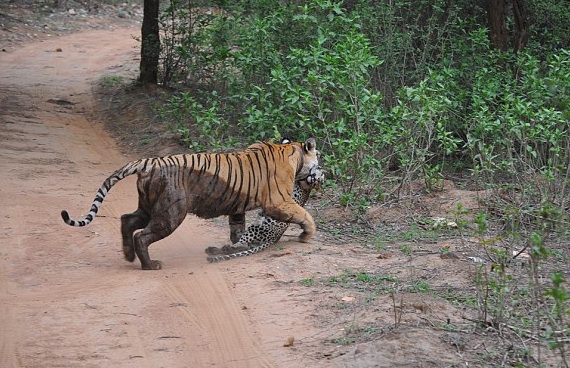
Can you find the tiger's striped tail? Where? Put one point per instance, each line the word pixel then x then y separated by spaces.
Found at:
pixel 129 169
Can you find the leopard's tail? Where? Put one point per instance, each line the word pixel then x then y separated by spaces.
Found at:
pixel 129 169
pixel 243 253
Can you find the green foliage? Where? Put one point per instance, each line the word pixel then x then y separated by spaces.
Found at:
pixel 549 26
pixel 408 85
pixel 194 43
pixel 363 281
pixel 506 293
pixel 514 125
pixel 307 282
pixel 414 36
pixel 430 132
pixel 559 295
pixel 319 87
pixel 206 130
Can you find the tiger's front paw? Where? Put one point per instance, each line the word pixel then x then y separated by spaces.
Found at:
pixel 305 237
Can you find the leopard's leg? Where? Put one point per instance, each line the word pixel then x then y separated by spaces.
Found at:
pixel 242 253
pixel 266 234
pixel 237 229
pixel 255 234
pixel 252 234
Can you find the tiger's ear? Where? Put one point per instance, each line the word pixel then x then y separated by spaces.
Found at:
pixel 311 145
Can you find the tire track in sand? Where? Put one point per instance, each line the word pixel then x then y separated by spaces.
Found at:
pixel 204 301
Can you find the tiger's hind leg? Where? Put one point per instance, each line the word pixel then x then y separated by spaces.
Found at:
pixel 130 222
pixel 156 230
pixel 142 241
pixel 166 212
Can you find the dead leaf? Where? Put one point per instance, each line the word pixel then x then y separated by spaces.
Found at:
pixel 290 341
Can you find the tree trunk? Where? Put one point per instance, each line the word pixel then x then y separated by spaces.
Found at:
pixel 150 43
pixel 521 23
pixel 497 26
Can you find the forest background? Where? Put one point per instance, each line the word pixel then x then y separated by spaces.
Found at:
pixel 407 89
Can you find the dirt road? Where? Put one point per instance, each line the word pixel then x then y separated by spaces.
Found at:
pixel 67 297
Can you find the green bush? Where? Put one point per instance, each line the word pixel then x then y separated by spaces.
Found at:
pixel 257 71
pixel 316 86
pixel 323 90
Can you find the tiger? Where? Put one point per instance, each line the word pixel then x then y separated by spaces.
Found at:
pixel 209 185
pixel 237 221
pixel 260 236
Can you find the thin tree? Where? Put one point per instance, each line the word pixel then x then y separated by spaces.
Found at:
pixel 520 12
pixel 498 33
pixel 150 43
pixel 497 25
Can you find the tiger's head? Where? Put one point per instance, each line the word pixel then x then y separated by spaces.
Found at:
pixel 308 168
